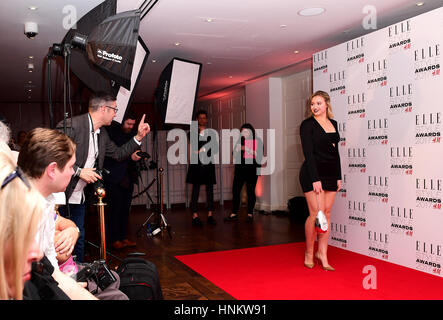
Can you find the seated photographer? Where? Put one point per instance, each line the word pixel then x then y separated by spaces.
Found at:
pixel 119 183
pixel 47 157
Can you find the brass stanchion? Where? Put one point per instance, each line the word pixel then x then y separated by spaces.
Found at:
pixel 101 193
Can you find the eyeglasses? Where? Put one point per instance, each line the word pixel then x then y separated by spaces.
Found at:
pixel 115 109
pixel 14 174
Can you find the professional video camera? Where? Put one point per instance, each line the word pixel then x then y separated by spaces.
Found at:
pixel 98 272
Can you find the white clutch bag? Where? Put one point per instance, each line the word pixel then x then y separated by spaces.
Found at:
pixel 321 223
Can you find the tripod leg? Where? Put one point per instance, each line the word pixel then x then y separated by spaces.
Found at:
pixel 144 224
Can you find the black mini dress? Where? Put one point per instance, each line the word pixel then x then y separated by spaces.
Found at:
pixel 322 159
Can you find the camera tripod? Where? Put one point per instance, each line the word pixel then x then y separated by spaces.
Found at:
pixel 158 214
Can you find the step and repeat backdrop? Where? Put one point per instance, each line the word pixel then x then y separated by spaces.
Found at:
pixel 386 91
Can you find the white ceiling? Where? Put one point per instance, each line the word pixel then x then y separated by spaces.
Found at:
pixel 244 41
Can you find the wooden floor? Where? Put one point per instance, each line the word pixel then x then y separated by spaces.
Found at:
pixel 177 280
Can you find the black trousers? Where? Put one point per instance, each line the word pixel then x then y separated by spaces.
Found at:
pixel 209 196
pixel 245 174
pixel 118 201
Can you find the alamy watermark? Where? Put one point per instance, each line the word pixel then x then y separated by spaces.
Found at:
pixel 204 147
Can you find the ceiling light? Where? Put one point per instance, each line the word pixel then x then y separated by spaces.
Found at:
pixel 230 77
pixel 419 4
pixel 31 57
pixel 209 20
pixel 208 62
pixel 33 8
pixel 311 12
pixel 29 81
pixel 29 90
pixel 283 26
pixel 154 61
pixel 177 44
pixel 296 51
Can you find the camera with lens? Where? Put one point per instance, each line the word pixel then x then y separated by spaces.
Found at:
pixel 141 164
pixel 98 272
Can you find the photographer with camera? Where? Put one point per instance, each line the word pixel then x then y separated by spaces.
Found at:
pixel 119 183
pixel 92 147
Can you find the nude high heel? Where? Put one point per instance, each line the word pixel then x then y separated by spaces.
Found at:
pixel 308 265
pixel 328 267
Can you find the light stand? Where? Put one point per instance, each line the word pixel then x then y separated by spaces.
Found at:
pixel 160 218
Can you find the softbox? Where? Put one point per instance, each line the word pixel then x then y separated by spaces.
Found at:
pixel 177 91
pixel 94 78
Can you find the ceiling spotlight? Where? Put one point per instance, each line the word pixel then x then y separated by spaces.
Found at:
pixel 177 44
pixel 296 51
pixel 283 26
pixel 31 57
pixel 29 90
pixel 209 20
pixel 29 81
pixel 154 61
pixel 311 12
pixel 32 8
pixel 419 4
pixel 208 62
pixel 230 77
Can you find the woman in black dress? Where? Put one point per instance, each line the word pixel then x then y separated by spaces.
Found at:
pixel 320 174
pixel 202 174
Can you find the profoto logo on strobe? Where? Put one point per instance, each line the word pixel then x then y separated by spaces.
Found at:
pixel 378 189
pixel 378 132
pixel 428 193
pixel 400 98
pixel 357 213
pixel 357 160
pixel 428 256
pixel 427 62
pixel 401 160
pixel 338 234
pixel 320 61
pixel 400 37
pixel 355 51
pixel 356 106
pixel 103 54
pixel 402 220
pixel 428 128
pixel 378 245
pixel 376 74
pixel 337 82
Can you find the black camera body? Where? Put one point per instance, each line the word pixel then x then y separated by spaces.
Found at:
pixel 98 272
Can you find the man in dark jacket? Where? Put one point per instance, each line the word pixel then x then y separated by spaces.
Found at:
pixel 93 145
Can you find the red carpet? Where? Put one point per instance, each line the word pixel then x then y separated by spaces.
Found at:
pixel 277 273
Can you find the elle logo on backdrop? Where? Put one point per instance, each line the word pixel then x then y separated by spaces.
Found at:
pixel 428 128
pixel 337 82
pixel 320 61
pixel 338 235
pixel 357 213
pixel 401 221
pixel 428 256
pixel 428 193
pixel 400 99
pixel 378 245
pixel 355 52
pixel 378 189
pixel 342 131
pixel 401 161
pixel 357 160
pixel 427 62
pixel 356 106
pixel 399 37
pixel 376 73
pixel 378 132
pixel 342 191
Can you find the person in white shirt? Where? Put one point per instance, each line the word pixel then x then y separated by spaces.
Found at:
pixel 93 145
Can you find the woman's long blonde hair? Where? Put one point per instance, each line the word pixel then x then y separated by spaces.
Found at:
pixel 21 209
pixel 327 98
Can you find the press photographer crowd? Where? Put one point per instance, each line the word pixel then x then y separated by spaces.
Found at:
pixel 42 242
